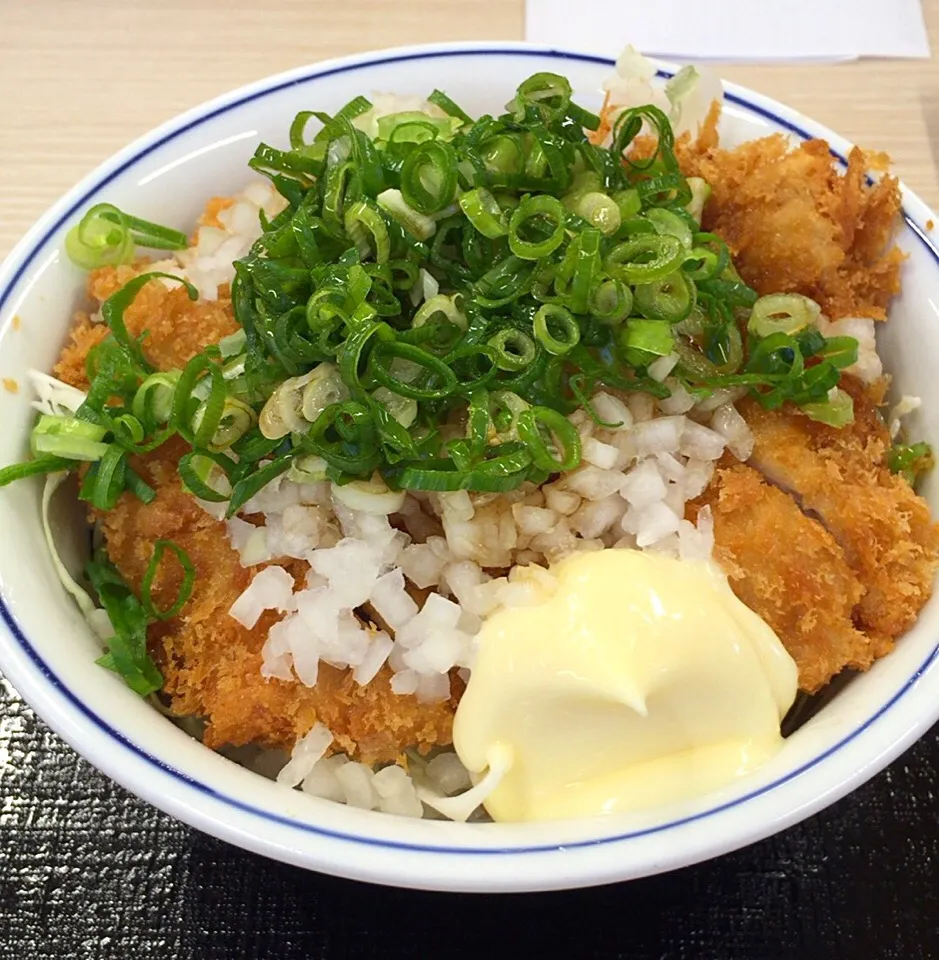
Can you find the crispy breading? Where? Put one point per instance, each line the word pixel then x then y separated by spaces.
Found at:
pixel 177 328
pixel 835 596
pixel 212 665
pixel 795 224
pixel 209 216
pixel 787 568
pixel 880 522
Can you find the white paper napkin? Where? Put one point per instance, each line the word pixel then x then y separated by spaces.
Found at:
pixel 734 30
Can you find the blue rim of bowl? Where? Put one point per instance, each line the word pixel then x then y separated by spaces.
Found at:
pixel 178 775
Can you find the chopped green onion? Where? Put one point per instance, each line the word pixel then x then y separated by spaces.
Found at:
pixel 548 93
pixel 700 194
pixel 551 438
pixel 106 479
pixel 96 241
pixel 431 270
pixel 541 220
pixel 612 301
pixel 669 224
pixel 484 213
pixel 837 410
pixel 236 419
pixel 910 460
pixel 68 437
pixel 644 258
pixel 106 236
pixel 670 299
pixel 127 650
pixel 33 468
pixel 428 177
pixel 647 336
pixel 418 225
pixel 365 226
pixel 437 380
pixel 628 203
pixel 560 317
pixel 513 349
pixel 185 586
pixel 440 99
pixel 782 313
pixel 601 211
pixel 153 401
pixel 205 475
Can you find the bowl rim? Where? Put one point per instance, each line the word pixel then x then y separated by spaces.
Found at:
pixel 56 703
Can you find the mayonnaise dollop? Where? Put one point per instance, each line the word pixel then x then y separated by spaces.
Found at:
pixel 640 681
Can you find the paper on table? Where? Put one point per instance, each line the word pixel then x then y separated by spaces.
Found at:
pixel 742 30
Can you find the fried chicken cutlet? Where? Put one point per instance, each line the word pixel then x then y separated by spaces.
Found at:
pixel 806 592
pixel 795 224
pixel 847 582
pixel 840 475
pixel 817 536
pixel 212 664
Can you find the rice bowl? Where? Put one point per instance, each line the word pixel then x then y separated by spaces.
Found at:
pixel 532 518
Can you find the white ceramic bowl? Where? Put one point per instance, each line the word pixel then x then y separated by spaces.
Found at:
pixel 48 653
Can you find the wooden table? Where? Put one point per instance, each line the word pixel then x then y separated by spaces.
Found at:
pixel 81 78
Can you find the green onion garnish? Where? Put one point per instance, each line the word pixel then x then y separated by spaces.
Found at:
pixel 435 300
pixel 127 650
pixel 185 586
pixel 107 236
pixel 910 460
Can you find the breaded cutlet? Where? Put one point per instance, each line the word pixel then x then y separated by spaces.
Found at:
pixel 211 663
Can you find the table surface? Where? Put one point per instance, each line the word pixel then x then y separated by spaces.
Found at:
pixel 85 870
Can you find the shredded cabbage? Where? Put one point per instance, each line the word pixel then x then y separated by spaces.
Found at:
pixel 56 398
pixel 96 618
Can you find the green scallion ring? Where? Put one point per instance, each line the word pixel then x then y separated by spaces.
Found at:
pixel 562 436
pixel 153 401
pixel 611 301
pixel 236 420
pixel 208 414
pixel 433 367
pixel 429 177
pixel 205 475
pixel 128 430
pixel 513 349
pixel 109 479
pixel 544 214
pixel 670 224
pixel 98 241
pixel 484 213
pixel 185 587
pixel 628 202
pixel 670 299
pixel 363 219
pixel 552 314
pixel 644 258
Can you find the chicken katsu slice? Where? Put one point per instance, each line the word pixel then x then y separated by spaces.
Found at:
pixel 794 223
pixel 212 664
pixel 840 475
pixel 177 328
pixel 788 569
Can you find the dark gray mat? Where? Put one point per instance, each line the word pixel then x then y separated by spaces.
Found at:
pixel 88 871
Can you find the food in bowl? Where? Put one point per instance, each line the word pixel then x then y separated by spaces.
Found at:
pixel 398 415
